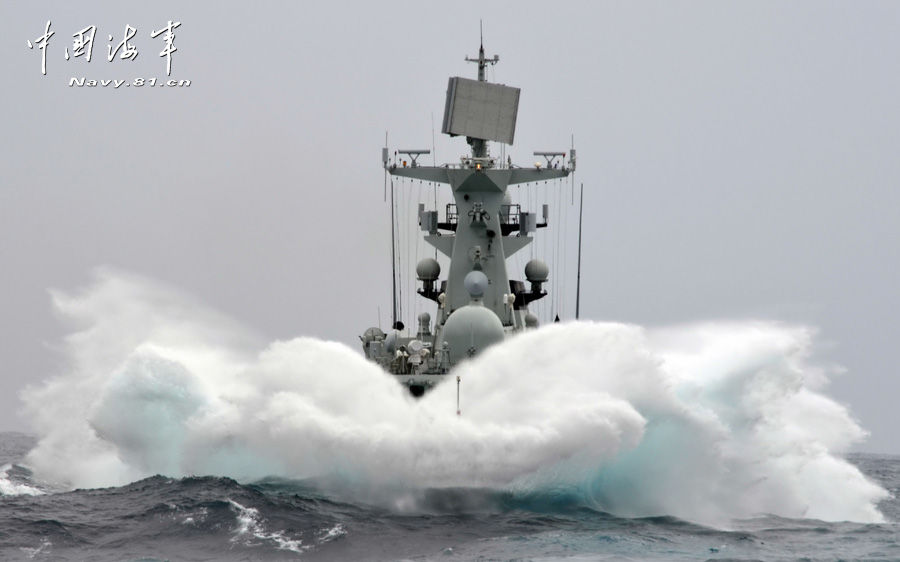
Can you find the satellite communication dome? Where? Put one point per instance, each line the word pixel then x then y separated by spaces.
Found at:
pixel 372 334
pixel 537 271
pixel 428 269
pixel 476 283
pixel 469 330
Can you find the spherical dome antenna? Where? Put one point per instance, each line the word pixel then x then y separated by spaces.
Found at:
pixel 373 334
pixel 428 269
pixel 476 283
pixel 469 330
pixel 537 271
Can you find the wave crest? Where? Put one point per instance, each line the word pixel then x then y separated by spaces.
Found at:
pixel 705 422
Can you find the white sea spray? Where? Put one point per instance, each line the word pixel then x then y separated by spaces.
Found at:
pixel 707 422
pixel 8 487
pixel 251 530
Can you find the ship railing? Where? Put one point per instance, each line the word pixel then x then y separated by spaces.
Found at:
pixel 509 214
pixel 452 213
pixel 473 163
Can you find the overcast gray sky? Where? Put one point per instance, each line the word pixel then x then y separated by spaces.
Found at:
pixel 740 160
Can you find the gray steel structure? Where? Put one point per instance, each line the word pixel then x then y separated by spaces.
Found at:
pixel 477 303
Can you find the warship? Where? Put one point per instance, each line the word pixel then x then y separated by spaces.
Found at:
pixel 476 304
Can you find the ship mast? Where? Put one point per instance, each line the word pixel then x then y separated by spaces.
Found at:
pixel 479 146
pixel 482 62
pixel 477 302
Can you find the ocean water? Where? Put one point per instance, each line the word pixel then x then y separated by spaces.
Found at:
pixel 217 518
pixel 173 433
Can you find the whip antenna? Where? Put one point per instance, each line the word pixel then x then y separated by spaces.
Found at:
pixel 578 277
pixel 393 261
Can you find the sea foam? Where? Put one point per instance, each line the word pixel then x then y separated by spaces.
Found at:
pixel 706 422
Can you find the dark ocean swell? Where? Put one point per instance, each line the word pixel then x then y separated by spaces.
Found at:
pixel 217 518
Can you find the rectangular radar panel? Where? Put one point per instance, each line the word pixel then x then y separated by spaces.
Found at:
pixel 481 110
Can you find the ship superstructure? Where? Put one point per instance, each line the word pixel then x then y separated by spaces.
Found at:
pixel 477 304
